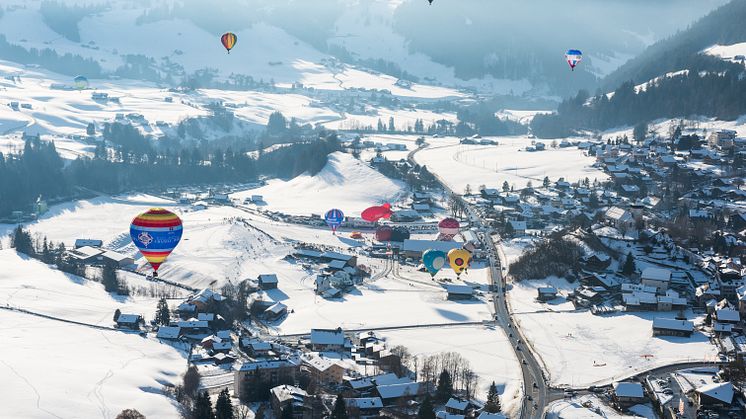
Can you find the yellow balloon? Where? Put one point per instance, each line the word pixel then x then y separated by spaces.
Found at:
pixel 459 260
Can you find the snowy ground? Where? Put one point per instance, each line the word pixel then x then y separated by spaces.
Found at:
pixel 344 183
pixel 486 348
pixel 580 349
pixel 459 165
pixel 728 52
pixel 55 369
pixel 575 408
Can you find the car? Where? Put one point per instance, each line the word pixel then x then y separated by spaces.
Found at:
pixel 517 348
pixel 530 397
pixel 668 391
pixel 535 385
pixel 525 363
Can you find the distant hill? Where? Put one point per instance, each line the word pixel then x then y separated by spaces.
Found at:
pixel 723 26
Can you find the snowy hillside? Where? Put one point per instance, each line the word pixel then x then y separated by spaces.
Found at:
pixel 734 53
pixel 344 183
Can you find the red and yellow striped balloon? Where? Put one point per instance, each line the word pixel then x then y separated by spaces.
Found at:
pixel 229 40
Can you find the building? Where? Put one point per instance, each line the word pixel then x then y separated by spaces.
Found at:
pixel 413 248
pixel 329 340
pixel 546 293
pixel 620 218
pixel 459 292
pixel 628 393
pixel 88 242
pixel 275 311
pixel 457 406
pixel 267 281
pixel 323 371
pixel 168 332
pixel 715 394
pixel 287 396
pixel 117 259
pixel 392 393
pixel 727 315
pixel 85 254
pixel 657 278
pixel 129 321
pixel 518 228
pixel 273 373
pixel 364 407
pixel 672 327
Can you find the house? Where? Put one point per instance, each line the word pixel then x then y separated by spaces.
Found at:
pixel 88 242
pixel 672 327
pixel 628 393
pixel 168 332
pixel 715 394
pixel 546 293
pixel 487 415
pixel 329 340
pixel 620 218
pixel 129 321
pixel 255 347
pixel 727 315
pixel 276 311
pixel 194 328
pixel 596 261
pixel 657 278
pixel 117 259
pixel 286 396
pixel 267 281
pixel 364 407
pixel 222 358
pixel 392 393
pixel 459 292
pixel 518 228
pixel 85 254
pixel 273 373
pixel 323 370
pixel 456 406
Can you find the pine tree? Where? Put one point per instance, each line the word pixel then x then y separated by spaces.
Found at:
pixel 444 391
pixel 109 278
pixel 191 381
pixel 340 408
pixel 629 265
pixel 546 181
pixel 493 400
pixel 506 186
pixel 203 407
pixel 117 312
pixel 130 414
pixel 21 241
pixel 224 406
pixel 163 314
pixel 287 412
pixel 426 409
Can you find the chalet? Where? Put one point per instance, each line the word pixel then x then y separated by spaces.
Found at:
pixel 329 340
pixel 364 407
pixel 272 372
pixel 715 394
pixel 168 332
pixel 657 278
pixel 117 259
pixel 129 321
pixel 85 254
pixel 393 393
pixel 194 328
pixel 628 393
pixel 596 261
pixel 607 282
pixel 349 260
pixel 546 293
pixel 620 218
pixel 672 327
pixel 405 215
pixel 88 242
pixel 456 406
pixel 255 347
pixel 323 371
pixel 518 228
pixel 223 358
pixel 459 292
pixel 727 315
pixel 290 397
pixel 275 311
pixel 267 281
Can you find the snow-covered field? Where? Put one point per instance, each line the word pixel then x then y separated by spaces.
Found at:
pixel 584 407
pixel 60 370
pixel 728 52
pixel 344 183
pixel 474 165
pixel 580 349
pixel 486 348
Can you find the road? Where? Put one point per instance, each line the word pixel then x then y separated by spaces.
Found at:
pixel 536 391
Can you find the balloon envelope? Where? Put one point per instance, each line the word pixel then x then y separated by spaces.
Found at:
pixel 334 218
pixel 81 82
pixel 384 233
pixel 156 233
pixel 229 40
pixel 573 57
pixel 459 260
pixel 434 260
pixel 374 214
pixel 448 228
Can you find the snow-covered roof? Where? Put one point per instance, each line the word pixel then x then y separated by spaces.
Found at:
pixel 718 391
pixel 628 389
pixel 128 318
pixel 268 278
pixel 487 415
pixel 673 324
pixel 727 315
pixel 327 337
pixel 398 390
pixel 264 365
pixel 115 256
pixel 459 289
pixel 276 308
pixel 457 404
pixel 656 274
pixel 208 317
pixel 168 332
pixel 618 214
pixel 518 225
pixel 365 403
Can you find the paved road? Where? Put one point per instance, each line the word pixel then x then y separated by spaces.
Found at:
pixel 536 397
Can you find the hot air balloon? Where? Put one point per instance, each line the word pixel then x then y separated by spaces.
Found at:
pixel 430 1
pixel 384 233
pixel 459 260
pixel 334 219
pixel 81 82
pixel 573 58
pixel 229 40
pixel 156 233
pixel 434 260
pixel 447 229
pixel 374 214
pixel 399 234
